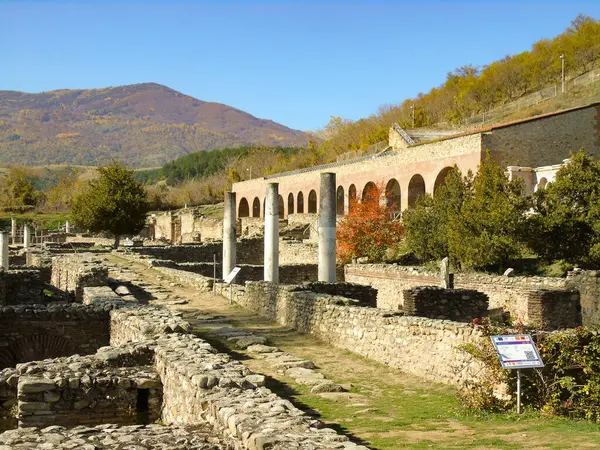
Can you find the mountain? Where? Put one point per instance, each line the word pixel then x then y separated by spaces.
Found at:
pixel 141 125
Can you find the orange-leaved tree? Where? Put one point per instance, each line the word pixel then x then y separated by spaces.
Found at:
pixel 369 228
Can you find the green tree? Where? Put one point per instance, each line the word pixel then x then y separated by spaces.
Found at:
pixel 567 220
pixel 475 220
pixel 17 188
pixel 427 224
pixel 114 202
pixel 489 229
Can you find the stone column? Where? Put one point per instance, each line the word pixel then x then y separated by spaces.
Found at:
pixel 13 230
pixel 272 233
pixel 4 250
pixel 26 237
pixel 229 221
pixel 67 227
pixel 327 216
pixel 445 273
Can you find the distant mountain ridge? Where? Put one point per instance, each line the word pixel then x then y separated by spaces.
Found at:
pixel 141 125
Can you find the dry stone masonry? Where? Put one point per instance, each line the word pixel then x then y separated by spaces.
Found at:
pixel 511 293
pixel 461 305
pixel 153 369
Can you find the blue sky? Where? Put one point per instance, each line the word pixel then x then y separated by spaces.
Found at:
pixel 297 63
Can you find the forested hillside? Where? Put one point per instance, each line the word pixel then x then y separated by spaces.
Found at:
pixel 142 125
pixel 204 164
pixel 469 90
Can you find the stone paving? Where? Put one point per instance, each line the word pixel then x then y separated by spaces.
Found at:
pixel 220 327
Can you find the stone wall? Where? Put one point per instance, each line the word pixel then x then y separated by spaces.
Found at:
pixel 200 385
pixel 33 332
pixel 510 293
pixel 71 273
pixel 551 310
pixel 424 347
pixel 546 140
pixel 294 252
pixel 460 305
pixel 366 295
pixel 288 274
pixel 91 390
pixel 250 251
pixel 24 286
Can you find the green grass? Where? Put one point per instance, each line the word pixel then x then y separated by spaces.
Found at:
pixel 43 220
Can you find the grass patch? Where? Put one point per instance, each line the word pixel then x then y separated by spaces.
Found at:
pixel 46 221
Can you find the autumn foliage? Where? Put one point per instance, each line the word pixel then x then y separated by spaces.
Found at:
pixel 368 229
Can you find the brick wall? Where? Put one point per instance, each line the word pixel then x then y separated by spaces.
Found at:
pixel 551 310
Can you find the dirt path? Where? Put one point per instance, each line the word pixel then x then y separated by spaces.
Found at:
pixel 382 408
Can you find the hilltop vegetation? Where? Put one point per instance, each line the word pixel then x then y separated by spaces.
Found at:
pixel 469 90
pixel 204 164
pixel 142 125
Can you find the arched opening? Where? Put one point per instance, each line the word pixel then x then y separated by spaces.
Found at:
pixel 300 200
pixel 542 184
pixel 441 178
pixel 312 202
pixel 392 195
pixel 351 197
pixel 416 189
pixel 256 207
pixel 281 207
pixel 339 201
pixel 244 208
pixel 34 347
pixel 290 204
pixel 370 192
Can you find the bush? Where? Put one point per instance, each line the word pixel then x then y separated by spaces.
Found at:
pixel 568 384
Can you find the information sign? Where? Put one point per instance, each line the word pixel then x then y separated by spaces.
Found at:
pixel 229 278
pixel 517 351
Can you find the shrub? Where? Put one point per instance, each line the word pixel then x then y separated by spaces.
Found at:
pixel 568 384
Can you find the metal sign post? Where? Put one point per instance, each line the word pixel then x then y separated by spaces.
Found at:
pixel 214 271
pixel 517 351
pixel 229 280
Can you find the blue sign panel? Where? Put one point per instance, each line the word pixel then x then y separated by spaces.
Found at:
pixel 517 351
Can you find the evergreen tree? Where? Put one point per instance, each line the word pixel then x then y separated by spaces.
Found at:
pixel 115 202
pixel 567 220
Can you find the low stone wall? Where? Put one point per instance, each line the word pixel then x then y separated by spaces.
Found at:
pixel 366 295
pixel 250 251
pixel 551 310
pixel 460 305
pixel 294 252
pixel 201 385
pixel 288 274
pixel 36 332
pixel 24 286
pixel 510 293
pixel 424 347
pixel 72 273
pixel 90 390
